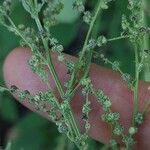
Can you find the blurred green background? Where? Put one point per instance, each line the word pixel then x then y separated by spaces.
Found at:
pixel 29 130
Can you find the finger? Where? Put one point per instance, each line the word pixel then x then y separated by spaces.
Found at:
pixel 17 72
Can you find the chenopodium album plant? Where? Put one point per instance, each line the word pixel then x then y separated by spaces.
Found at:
pixel 43 44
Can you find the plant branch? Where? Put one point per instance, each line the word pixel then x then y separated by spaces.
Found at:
pixel 78 69
pixel 118 38
pixel 146 45
pixel 49 60
pixel 136 99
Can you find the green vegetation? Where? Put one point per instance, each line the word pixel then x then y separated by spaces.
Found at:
pixel 119 43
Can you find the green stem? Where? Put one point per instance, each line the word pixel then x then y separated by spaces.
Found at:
pixel 21 35
pixel 90 30
pixel 136 99
pixel 109 40
pixel 73 123
pixel 146 45
pixel 97 11
pixel 81 57
pixel 17 32
pixel 2 89
pixel 117 38
pixel 57 82
pixel 49 59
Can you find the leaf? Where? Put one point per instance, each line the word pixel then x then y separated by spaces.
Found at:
pixel 34 126
pixel 8 108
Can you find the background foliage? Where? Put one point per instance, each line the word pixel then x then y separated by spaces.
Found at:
pixel 30 131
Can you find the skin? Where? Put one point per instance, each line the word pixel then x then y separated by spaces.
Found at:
pixel 17 72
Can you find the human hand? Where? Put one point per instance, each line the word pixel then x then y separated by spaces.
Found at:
pixel 17 72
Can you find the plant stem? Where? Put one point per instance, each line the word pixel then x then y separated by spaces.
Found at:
pixel 73 123
pixel 90 30
pixel 136 99
pixel 21 35
pixel 57 81
pixel 77 69
pixel 4 89
pixel 117 38
pixel 146 45
pixel 97 10
pixel 49 59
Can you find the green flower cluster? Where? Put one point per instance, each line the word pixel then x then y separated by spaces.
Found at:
pixel 108 116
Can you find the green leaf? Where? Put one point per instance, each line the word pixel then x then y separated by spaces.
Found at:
pixel 8 108
pixel 33 126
